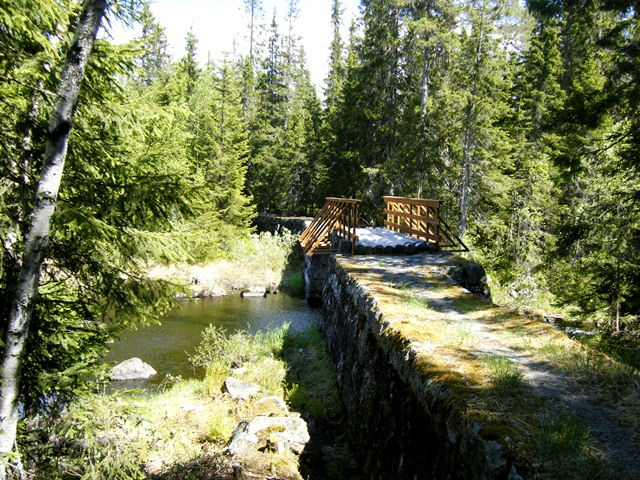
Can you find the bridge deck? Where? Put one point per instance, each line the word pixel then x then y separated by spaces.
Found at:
pixel 518 377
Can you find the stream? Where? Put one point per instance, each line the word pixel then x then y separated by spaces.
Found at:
pixel 166 346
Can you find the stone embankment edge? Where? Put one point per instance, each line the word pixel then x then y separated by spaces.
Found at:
pixel 462 449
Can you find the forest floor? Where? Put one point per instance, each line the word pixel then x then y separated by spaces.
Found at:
pixel 558 407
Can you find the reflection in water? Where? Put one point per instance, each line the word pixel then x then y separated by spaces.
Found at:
pixel 165 347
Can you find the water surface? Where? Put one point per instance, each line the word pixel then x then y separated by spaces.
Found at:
pixel 166 347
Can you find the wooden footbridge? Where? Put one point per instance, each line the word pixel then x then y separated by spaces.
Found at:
pixel 414 217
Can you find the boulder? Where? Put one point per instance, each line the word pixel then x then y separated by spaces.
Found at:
pixel 472 277
pixel 240 390
pixel 209 292
pixel 290 432
pixel 132 369
pixel 272 405
pixel 254 292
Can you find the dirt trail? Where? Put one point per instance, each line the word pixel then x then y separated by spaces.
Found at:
pixel 612 437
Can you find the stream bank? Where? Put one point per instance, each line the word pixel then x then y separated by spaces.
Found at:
pixel 261 262
pixel 180 425
pixel 186 429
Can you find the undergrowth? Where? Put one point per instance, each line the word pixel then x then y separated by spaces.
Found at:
pixel 253 260
pixel 180 430
pixel 563 447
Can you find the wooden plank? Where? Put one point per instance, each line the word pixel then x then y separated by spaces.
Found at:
pixel 318 220
pixel 406 210
pixel 338 215
pixel 414 201
pixel 305 234
pixel 407 230
pixel 344 200
pixel 413 216
pixel 322 229
pixel 446 230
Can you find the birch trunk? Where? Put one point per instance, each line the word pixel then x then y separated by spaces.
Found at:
pixel 38 228
pixel 424 91
pixel 424 97
pixel 469 134
pixel 467 148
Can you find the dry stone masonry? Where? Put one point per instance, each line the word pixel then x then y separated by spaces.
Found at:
pixel 408 425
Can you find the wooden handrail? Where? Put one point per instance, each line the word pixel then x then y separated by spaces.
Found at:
pixel 338 216
pixel 420 218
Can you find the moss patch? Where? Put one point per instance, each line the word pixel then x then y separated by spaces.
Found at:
pixel 464 344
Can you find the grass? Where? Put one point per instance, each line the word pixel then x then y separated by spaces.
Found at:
pixel 180 430
pixel 129 434
pixel 311 387
pixel 293 283
pixel 623 348
pixel 504 375
pixel 257 260
pixel 311 380
pixel 452 347
pixel 563 448
pixel 461 335
pixel 415 302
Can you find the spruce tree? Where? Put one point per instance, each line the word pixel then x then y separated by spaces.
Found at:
pixel 155 59
pixel 188 64
pixel 17 325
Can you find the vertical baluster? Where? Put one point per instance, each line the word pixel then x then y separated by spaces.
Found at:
pixel 437 226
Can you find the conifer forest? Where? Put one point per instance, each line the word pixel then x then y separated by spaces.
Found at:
pixel 523 117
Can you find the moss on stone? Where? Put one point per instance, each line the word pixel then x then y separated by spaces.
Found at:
pixel 456 374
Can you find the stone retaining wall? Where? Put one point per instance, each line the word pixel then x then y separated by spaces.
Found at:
pixel 407 425
pixel 316 269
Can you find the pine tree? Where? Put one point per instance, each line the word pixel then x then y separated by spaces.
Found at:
pixel 596 256
pixel 335 76
pixel 253 8
pixel 341 157
pixel 428 49
pixel 155 59
pixel 188 65
pixel 481 66
pixel 284 155
pixel 367 130
pixel 218 156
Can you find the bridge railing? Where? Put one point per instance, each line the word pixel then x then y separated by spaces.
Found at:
pixel 338 216
pixel 420 218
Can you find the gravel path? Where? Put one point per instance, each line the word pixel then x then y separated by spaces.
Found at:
pixel 611 436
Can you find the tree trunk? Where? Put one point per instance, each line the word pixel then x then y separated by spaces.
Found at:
pixel 424 97
pixel 467 148
pixel 38 229
pixel 424 91
pixel 469 134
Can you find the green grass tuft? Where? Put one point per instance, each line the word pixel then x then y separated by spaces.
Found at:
pixel 504 375
pixel 562 447
pixel 461 335
pixel 293 283
pixel 311 379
